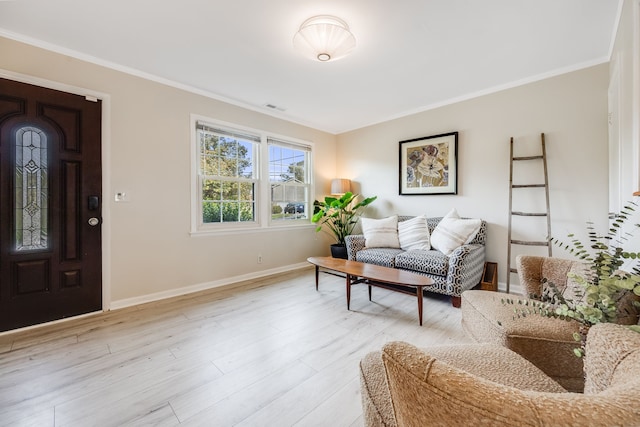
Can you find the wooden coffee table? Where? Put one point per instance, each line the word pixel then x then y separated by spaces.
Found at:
pixel 374 275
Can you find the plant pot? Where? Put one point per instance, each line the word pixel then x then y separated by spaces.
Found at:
pixel 339 251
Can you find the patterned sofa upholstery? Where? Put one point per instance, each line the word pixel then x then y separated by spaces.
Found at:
pixel 452 274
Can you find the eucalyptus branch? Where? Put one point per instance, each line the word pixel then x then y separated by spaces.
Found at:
pixel 602 289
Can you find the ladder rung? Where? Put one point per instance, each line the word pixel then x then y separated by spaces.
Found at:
pixel 528 158
pixel 529 243
pixel 528 214
pixel 529 186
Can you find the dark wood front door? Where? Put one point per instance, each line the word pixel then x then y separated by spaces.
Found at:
pixel 50 205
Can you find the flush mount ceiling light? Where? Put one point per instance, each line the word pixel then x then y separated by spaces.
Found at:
pixel 324 38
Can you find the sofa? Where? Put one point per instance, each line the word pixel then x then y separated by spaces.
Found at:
pixel 548 343
pixel 453 272
pixel 485 384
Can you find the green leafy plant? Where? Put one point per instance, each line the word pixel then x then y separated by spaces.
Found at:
pixel 339 215
pixel 602 284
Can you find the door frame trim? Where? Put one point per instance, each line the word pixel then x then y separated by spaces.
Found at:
pixel 106 165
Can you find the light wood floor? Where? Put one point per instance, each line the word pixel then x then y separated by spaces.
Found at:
pixel 270 352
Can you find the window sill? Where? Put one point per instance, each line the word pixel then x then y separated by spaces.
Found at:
pixel 251 230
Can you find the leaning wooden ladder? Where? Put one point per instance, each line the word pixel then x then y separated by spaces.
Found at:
pixel 512 213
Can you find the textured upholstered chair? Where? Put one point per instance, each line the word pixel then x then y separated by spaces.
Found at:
pixel 547 343
pixel 483 384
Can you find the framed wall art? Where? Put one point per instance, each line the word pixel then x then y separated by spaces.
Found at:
pixel 429 165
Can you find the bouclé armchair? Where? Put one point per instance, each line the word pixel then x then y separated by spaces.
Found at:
pixel 480 384
pixel 548 343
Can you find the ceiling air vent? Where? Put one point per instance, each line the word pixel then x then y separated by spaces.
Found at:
pixel 274 107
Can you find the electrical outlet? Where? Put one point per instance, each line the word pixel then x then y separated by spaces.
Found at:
pixel 259 258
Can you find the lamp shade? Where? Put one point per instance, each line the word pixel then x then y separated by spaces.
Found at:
pixel 324 38
pixel 340 186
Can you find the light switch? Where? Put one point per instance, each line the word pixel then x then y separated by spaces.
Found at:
pixel 121 196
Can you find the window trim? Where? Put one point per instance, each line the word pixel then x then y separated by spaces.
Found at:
pixel 263 221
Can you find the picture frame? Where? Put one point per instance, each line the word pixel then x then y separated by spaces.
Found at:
pixel 429 165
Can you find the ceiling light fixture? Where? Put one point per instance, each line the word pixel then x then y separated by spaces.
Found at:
pixel 324 38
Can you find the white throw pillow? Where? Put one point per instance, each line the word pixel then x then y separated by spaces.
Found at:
pixel 380 233
pixel 414 234
pixel 452 232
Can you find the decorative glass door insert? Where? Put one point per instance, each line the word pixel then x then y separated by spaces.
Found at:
pixel 31 189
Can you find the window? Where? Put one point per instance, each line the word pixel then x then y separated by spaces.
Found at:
pixel 247 178
pixel 227 175
pixel 289 180
pixel 31 190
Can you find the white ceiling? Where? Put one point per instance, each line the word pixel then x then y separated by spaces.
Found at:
pixel 411 55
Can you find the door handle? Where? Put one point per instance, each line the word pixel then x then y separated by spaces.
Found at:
pixel 93 203
pixel 93 221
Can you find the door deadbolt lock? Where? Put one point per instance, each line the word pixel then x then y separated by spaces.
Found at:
pixel 93 221
pixel 93 203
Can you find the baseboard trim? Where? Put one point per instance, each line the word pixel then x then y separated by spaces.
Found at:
pixel 128 302
pixel 143 299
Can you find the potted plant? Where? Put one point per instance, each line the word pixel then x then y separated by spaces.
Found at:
pixel 339 216
pixel 603 287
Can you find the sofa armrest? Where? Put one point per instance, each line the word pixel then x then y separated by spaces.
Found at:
pixel 613 356
pixel 424 389
pixel 466 264
pixel 355 243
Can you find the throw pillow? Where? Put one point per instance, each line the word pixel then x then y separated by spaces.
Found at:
pixel 414 234
pixel 380 233
pixel 453 231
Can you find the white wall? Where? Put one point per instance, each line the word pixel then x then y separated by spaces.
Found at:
pixel 624 73
pixel 624 90
pixel 149 250
pixel 151 253
pixel 570 109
